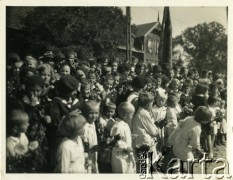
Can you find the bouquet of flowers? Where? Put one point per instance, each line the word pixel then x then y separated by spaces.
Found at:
pixel 219 116
pixel 28 159
pixel 188 109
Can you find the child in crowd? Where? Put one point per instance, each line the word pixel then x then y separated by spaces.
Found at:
pixel 46 73
pixel 109 90
pixel 159 112
pixel 174 86
pixel 212 105
pixel 65 69
pixel 114 66
pixel 223 123
pixel 117 78
pixel 70 157
pixel 30 62
pixel 143 124
pixel 90 111
pixel 171 116
pixel 122 154
pixel 17 126
pixel 158 82
pixel 185 139
pixel 104 125
pixel 108 114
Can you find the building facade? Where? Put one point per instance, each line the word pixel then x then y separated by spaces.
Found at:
pixel 145 41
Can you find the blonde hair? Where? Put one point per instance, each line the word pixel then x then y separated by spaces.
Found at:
pixel 71 124
pixel 89 105
pixel 125 107
pixel 47 67
pixel 16 118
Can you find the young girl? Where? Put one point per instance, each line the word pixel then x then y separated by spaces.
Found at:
pixel 90 111
pixel 46 73
pixel 123 162
pixel 70 156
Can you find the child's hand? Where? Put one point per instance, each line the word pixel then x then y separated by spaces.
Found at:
pixel 47 119
pixel 34 100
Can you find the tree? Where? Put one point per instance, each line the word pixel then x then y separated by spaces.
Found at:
pixel 207 46
pixel 99 30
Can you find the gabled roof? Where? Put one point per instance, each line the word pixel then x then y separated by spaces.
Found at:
pixel 143 29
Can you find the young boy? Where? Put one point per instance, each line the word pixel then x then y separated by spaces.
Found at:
pixel 17 126
pixel 119 163
pixel 90 111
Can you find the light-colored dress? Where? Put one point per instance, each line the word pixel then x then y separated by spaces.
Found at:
pixel 122 162
pixel 12 141
pixel 90 136
pixel 70 157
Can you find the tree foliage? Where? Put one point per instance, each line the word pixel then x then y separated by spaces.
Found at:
pixel 97 30
pixel 207 45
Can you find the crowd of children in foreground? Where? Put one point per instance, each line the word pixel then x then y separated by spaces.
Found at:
pixel 71 116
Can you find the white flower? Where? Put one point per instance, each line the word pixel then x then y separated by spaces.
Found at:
pixel 33 145
pixel 20 149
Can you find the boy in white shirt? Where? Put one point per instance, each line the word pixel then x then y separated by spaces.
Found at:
pixel 122 156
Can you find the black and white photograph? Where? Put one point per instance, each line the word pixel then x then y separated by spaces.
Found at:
pixel 138 90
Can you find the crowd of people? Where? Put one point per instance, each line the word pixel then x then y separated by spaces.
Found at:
pixel 65 115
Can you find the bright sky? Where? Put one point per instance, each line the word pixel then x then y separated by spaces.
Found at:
pixel 181 17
